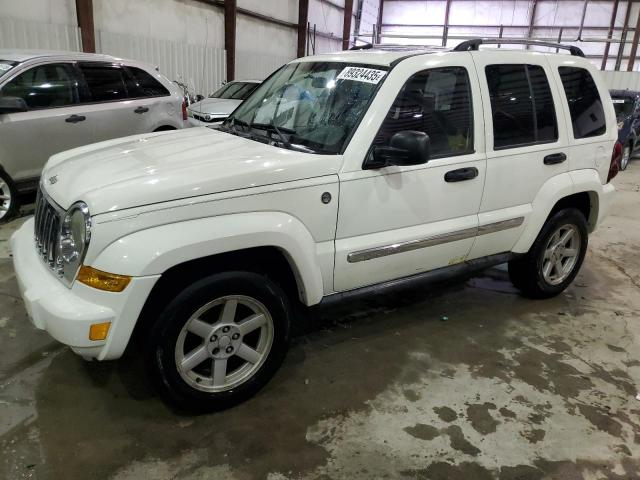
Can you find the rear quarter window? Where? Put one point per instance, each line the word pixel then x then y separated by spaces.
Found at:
pixel 142 84
pixel 585 105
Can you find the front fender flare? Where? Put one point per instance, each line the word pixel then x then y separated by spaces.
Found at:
pixel 153 251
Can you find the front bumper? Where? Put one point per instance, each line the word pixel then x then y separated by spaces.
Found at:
pixel 67 313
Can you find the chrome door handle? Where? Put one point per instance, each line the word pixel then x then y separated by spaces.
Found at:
pixel 141 110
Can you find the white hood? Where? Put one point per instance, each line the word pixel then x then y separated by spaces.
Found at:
pixel 215 106
pixel 160 167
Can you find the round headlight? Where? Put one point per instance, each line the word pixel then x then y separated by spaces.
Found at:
pixel 75 233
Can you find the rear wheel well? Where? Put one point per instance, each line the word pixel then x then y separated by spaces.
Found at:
pixel 269 261
pixel 585 202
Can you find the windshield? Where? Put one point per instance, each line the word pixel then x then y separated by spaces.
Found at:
pixel 235 90
pixel 6 65
pixel 308 106
pixel 623 106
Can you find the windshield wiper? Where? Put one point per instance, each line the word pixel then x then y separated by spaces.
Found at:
pixel 231 127
pixel 270 127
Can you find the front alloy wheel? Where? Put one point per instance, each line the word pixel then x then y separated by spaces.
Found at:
pixel 224 343
pixel 219 341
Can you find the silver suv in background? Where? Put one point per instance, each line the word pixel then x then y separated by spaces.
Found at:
pixel 55 101
pixel 220 104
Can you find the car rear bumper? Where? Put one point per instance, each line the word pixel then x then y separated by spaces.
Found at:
pixel 67 313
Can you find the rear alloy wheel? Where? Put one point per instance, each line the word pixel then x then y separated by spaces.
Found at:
pixel 626 156
pixel 8 198
pixel 554 258
pixel 220 341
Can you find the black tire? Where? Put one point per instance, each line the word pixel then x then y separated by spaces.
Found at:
pixel 526 272
pixel 164 337
pixel 13 203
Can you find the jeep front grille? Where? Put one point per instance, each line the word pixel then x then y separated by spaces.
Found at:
pixel 48 218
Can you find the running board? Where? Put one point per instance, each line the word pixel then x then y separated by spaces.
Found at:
pixel 431 277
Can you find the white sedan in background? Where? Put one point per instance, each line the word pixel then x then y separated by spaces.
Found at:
pixel 215 109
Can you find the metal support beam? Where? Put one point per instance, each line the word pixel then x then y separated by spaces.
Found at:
pixel 230 14
pixel 84 14
pixel 532 19
pixel 612 25
pixel 303 20
pixel 560 38
pixel 634 46
pixel 379 24
pixel 623 37
pixel 445 28
pixel 346 31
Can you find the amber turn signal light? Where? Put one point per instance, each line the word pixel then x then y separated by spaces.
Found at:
pixel 109 282
pixel 99 331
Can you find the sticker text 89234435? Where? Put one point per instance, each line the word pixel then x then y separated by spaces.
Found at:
pixel 361 74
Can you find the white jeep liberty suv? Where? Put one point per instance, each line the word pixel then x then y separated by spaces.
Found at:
pixel 340 171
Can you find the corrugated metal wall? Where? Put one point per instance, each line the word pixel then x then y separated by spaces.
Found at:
pixel 258 66
pixel 36 35
pixel 202 68
pixel 622 80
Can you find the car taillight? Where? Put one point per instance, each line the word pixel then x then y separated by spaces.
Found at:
pixel 184 110
pixel 616 156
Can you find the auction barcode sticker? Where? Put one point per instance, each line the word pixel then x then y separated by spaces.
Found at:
pixel 359 74
pixel 617 100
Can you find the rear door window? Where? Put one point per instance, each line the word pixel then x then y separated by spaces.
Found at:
pixel 522 106
pixel 141 84
pixel 585 105
pixel 105 82
pixel 45 86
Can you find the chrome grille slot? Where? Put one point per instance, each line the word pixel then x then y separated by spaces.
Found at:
pixel 47 229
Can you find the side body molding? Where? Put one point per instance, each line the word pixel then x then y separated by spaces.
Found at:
pixel 154 250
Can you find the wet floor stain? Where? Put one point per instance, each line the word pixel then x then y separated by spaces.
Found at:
pixel 445 414
pixel 422 431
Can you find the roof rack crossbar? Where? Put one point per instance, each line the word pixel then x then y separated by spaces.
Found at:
pixel 474 44
pixel 366 46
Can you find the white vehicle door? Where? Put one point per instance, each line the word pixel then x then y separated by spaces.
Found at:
pixel 55 120
pixel 527 143
pixel 115 113
pixel 397 221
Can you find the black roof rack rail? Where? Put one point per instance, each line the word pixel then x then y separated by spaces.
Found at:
pixel 366 46
pixel 474 44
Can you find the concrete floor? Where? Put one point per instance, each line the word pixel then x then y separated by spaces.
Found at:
pixel 468 381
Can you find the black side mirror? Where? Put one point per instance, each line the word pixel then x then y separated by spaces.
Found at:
pixel 12 105
pixel 408 147
pixel 199 98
